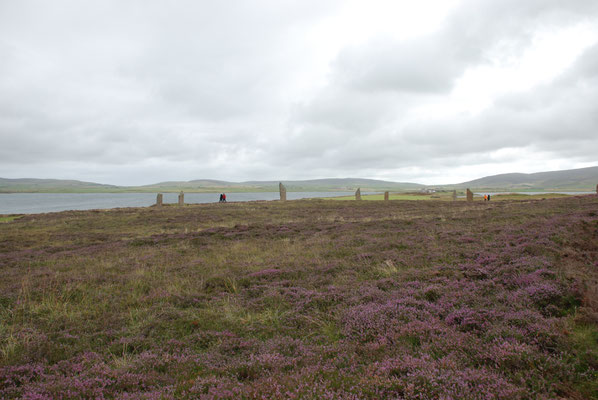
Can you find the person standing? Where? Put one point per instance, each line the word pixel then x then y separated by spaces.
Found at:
pixel 224 197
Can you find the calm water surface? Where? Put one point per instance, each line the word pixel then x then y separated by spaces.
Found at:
pixel 33 203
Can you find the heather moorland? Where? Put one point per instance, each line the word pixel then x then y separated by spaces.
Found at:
pixel 311 299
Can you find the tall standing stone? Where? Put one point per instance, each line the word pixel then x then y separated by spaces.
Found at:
pixel 159 200
pixel 469 195
pixel 283 191
pixel 596 189
pixel 181 198
pixel 386 195
pixel 454 195
pixel 358 194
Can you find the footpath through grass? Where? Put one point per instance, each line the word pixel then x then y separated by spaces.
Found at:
pixel 305 299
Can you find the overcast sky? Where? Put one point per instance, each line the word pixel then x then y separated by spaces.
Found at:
pixel 136 92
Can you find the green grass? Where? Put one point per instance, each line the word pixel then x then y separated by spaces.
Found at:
pixel 519 196
pixel 8 218
pixel 392 196
pixel 448 197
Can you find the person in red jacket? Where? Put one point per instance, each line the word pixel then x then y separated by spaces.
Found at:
pixel 224 197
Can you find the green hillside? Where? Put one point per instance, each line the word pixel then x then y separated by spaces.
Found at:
pixel 201 185
pixel 29 185
pixel 316 185
pixel 583 179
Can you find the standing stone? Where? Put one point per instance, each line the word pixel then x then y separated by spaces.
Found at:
pixel 596 189
pixel 283 191
pixel 181 198
pixel 358 194
pixel 469 195
pixel 159 200
pixel 386 195
pixel 454 195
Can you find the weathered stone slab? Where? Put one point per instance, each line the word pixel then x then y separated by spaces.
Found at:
pixel 469 195
pixel 386 196
pixel 159 200
pixel 596 189
pixel 181 198
pixel 283 191
pixel 454 195
pixel 358 194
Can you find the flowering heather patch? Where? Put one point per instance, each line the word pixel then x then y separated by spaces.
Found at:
pixel 305 299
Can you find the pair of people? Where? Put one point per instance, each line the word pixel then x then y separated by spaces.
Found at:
pixel 486 197
pixel 222 198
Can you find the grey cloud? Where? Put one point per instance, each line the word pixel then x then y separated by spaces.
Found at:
pixel 347 110
pixel 431 63
pixel 195 80
pixel 583 71
pixel 550 118
pixel 226 60
pixel 428 64
pixel 558 118
pixel 208 89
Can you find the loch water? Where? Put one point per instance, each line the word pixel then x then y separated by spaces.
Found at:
pixel 33 203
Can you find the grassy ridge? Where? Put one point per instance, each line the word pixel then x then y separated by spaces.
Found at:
pixel 447 196
pixel 304 299
pixel 200 186
pixel 581 179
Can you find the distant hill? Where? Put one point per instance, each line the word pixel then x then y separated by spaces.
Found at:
pixel 583 179
pixel 314 185
pixel 202 185
pixel 29 185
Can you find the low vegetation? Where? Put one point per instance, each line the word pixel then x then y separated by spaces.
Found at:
pixel 448 196
pixel 312 299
